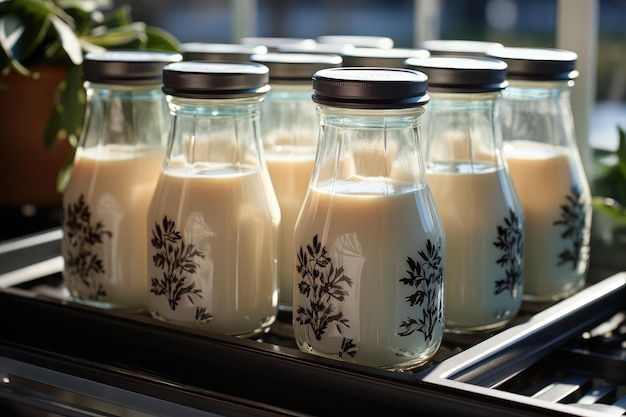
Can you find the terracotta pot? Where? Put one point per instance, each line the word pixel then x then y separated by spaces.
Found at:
pixel 29 169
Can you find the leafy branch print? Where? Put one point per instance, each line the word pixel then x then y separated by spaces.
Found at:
pixel 511 243
pixel 425 275
pixel 81 257
pixel 573 219
pixel 175 259
pixel 323 285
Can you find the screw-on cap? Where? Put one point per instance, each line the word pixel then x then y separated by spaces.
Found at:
pixel 456 74
pixel 199 51
pixel 296 66
pixel 458 47
pixel 376 57
pixel 127 67
pixel 382 42
pixel 370 88
pixel 214 79
pixel 537 64
pixel 273 43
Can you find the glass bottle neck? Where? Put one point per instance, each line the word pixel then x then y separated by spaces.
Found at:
pixel 216 135
pixel 539 112
pixel 463 133
pixel 369 151
pixel 124 115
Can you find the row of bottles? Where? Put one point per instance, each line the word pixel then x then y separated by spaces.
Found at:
pixel 379 206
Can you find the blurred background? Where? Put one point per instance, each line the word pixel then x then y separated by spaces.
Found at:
pixel 529 23
pixel 594 29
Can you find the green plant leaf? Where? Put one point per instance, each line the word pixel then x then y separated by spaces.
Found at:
pixel 68 112
pixel 117 37
pixel 159 39
pixel 69 40
pixel 621 154
pixel 610 208
pixel 7 59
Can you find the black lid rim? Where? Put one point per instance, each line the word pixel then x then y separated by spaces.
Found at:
pixel 370 87
pixel 287 66
pixel 539 64
pixel 127 66
pixel 217 94
pixel 212 79
pixel 461 74
pixel 407 103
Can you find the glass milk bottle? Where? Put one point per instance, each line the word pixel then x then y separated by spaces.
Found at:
pixel 474 194
pixel 289 129
pixel 540 147
pixel 214 219
pixel 368 243
pixel 117 163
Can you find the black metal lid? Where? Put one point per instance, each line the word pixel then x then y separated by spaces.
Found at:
pixel 273 43
pixel 318 48
pixel 458 47
pixel 376 57
pixel 540 64
pixel 296 66
pixel 200 51
pixel 370 88
pixel 359 41
pixel 215 79
pixel 457 74
pixel 127 66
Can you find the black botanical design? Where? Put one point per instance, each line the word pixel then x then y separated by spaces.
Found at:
pixel 426 276
pixel 323 285
pixel 511 242
pixel 175 259
pixel 573 219
pixel 84 238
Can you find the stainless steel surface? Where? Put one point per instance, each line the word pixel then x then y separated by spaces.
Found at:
pixel 62 358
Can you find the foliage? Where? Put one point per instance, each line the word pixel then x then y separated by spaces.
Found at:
pixel 175 259
pixel 84 238
pixel 427 279
pixel 60 33
pixel 573 221
pixel 323 285
pixel 610 187
pixel 510 242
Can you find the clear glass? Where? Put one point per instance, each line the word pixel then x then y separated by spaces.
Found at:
pixel 540 147
pixel 369 245
pixel 290 126
pixel 105 203
pixel 479 208
pixel 213 222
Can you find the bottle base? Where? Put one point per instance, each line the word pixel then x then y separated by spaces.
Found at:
pixel 264 327
pixel 107 305
pixel 552 298
pixel 412 362
pixel 479 329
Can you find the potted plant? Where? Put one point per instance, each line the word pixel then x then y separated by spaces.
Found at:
pixel 608 244
pixel 42 100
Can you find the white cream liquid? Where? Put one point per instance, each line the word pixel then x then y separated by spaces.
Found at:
pixel 472 206
pixel 544 176
pixel 290 171
pixel 369 230
pixel 232 224
pixel 116 182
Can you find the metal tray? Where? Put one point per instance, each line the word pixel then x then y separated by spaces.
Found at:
pixel 71 359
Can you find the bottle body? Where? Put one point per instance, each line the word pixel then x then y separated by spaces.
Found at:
pixel 106 200
pixel 290 129
pixel 539 145
pixel 368 244
pixel 480 210
pixel 213 223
